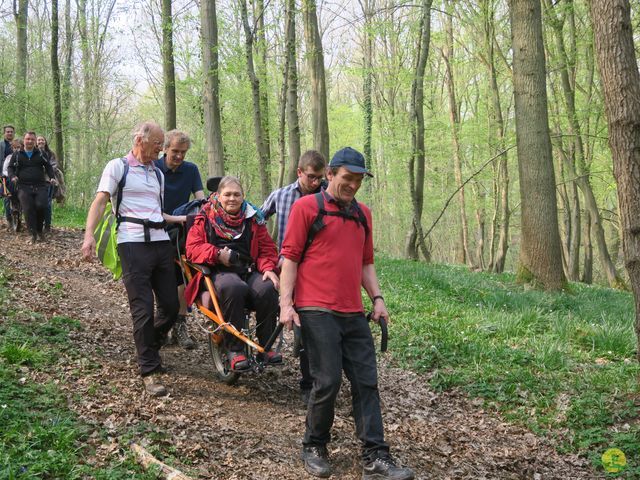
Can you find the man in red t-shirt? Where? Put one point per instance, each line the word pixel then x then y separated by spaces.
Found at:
pixel 327 276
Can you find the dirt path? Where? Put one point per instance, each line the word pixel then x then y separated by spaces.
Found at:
pixel 251 430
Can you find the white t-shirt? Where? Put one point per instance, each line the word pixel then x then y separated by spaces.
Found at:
pixel 140 198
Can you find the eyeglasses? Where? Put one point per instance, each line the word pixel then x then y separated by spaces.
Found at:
pixel 157 143
pixel 313 178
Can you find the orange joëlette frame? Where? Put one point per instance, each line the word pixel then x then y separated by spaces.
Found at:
pixel 217 316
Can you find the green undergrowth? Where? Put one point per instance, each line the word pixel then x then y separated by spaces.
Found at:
pixel 40 437
pixel 63 215
pixel 69 216
pixel 562 364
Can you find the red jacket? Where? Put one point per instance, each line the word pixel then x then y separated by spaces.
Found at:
pixel 199 250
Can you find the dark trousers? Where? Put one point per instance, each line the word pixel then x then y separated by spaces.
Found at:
pixel 333 344
pixel 33 199
pixel 147 269
pixel 47 216
pixel 235 294
pixel 306 382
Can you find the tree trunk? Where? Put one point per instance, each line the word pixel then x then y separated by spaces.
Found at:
pixel 497 143
pixel 282 122
pixel 66 81
pixel 211 101
pixel 20 16
pixel 587 269
pixel 540 259
pixel 367 83
pixel 55 73
pixel 263 154
pixel 315 62
pixel 87 93
pixel 582 173
pixel 415 236
pixel 261 72
pixel 613 35
pixel 168 69
pixel 292 91
pixel 454 120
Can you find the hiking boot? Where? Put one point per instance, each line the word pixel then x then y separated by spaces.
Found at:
pixel 181 335
pixel 153 386
pixel 316 460
pixel 33 240
pixel 47 229
pixel 41 237
pixel 384 466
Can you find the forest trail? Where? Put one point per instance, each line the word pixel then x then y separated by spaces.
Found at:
pixel 251 430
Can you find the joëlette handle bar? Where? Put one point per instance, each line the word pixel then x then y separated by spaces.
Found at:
pixel 385 332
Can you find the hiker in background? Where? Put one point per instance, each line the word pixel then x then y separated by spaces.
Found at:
pixel 311 167
pixel 28 170
pixel 8 132
pixel 143 246
pixel 327 275
pixel 43 145
pixel 230 234
pixel 182 179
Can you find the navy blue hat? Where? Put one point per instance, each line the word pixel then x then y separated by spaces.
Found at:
pixel 350 159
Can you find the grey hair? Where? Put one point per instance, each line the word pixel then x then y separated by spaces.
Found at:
pixel 143 130
pixel 228 180
pixel 178 136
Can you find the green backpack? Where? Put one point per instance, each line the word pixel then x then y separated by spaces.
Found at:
pixel 106 233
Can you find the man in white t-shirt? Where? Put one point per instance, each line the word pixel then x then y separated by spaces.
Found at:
pixel 143 246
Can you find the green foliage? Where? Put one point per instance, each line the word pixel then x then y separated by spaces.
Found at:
pixel 40 437
pixel 69 216
pixel 562 364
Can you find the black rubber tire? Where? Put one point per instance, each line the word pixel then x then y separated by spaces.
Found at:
pixel 221 364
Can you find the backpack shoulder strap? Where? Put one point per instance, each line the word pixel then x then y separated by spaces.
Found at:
pixel 121 185
pixel 316 226
pixel 362 218
pixel 160 182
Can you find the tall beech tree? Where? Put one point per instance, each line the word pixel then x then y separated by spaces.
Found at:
pixel 55 76
pixel 617 64
pixel 293 120
pixel 315 64
pixel 415 238
pixel 258 125
pixel 20 15
pixel 454 119
pixel 211 97
pixel 168 68
pixel 540 260
pixel 581 174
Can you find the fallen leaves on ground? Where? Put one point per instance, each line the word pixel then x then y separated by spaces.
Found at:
pixel 252 430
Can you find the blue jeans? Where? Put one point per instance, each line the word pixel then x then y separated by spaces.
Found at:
pixel 334 343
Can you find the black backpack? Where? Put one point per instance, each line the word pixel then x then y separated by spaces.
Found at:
pixel 318 223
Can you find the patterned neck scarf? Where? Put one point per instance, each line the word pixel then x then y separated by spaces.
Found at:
pixel 226 225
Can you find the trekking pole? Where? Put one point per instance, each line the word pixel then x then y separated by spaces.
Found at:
pixel 273 337
pixel 384 338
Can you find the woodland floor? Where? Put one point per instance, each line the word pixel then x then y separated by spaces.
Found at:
pixel 251 430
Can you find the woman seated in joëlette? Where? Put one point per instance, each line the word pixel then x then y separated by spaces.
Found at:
pixel 230 235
